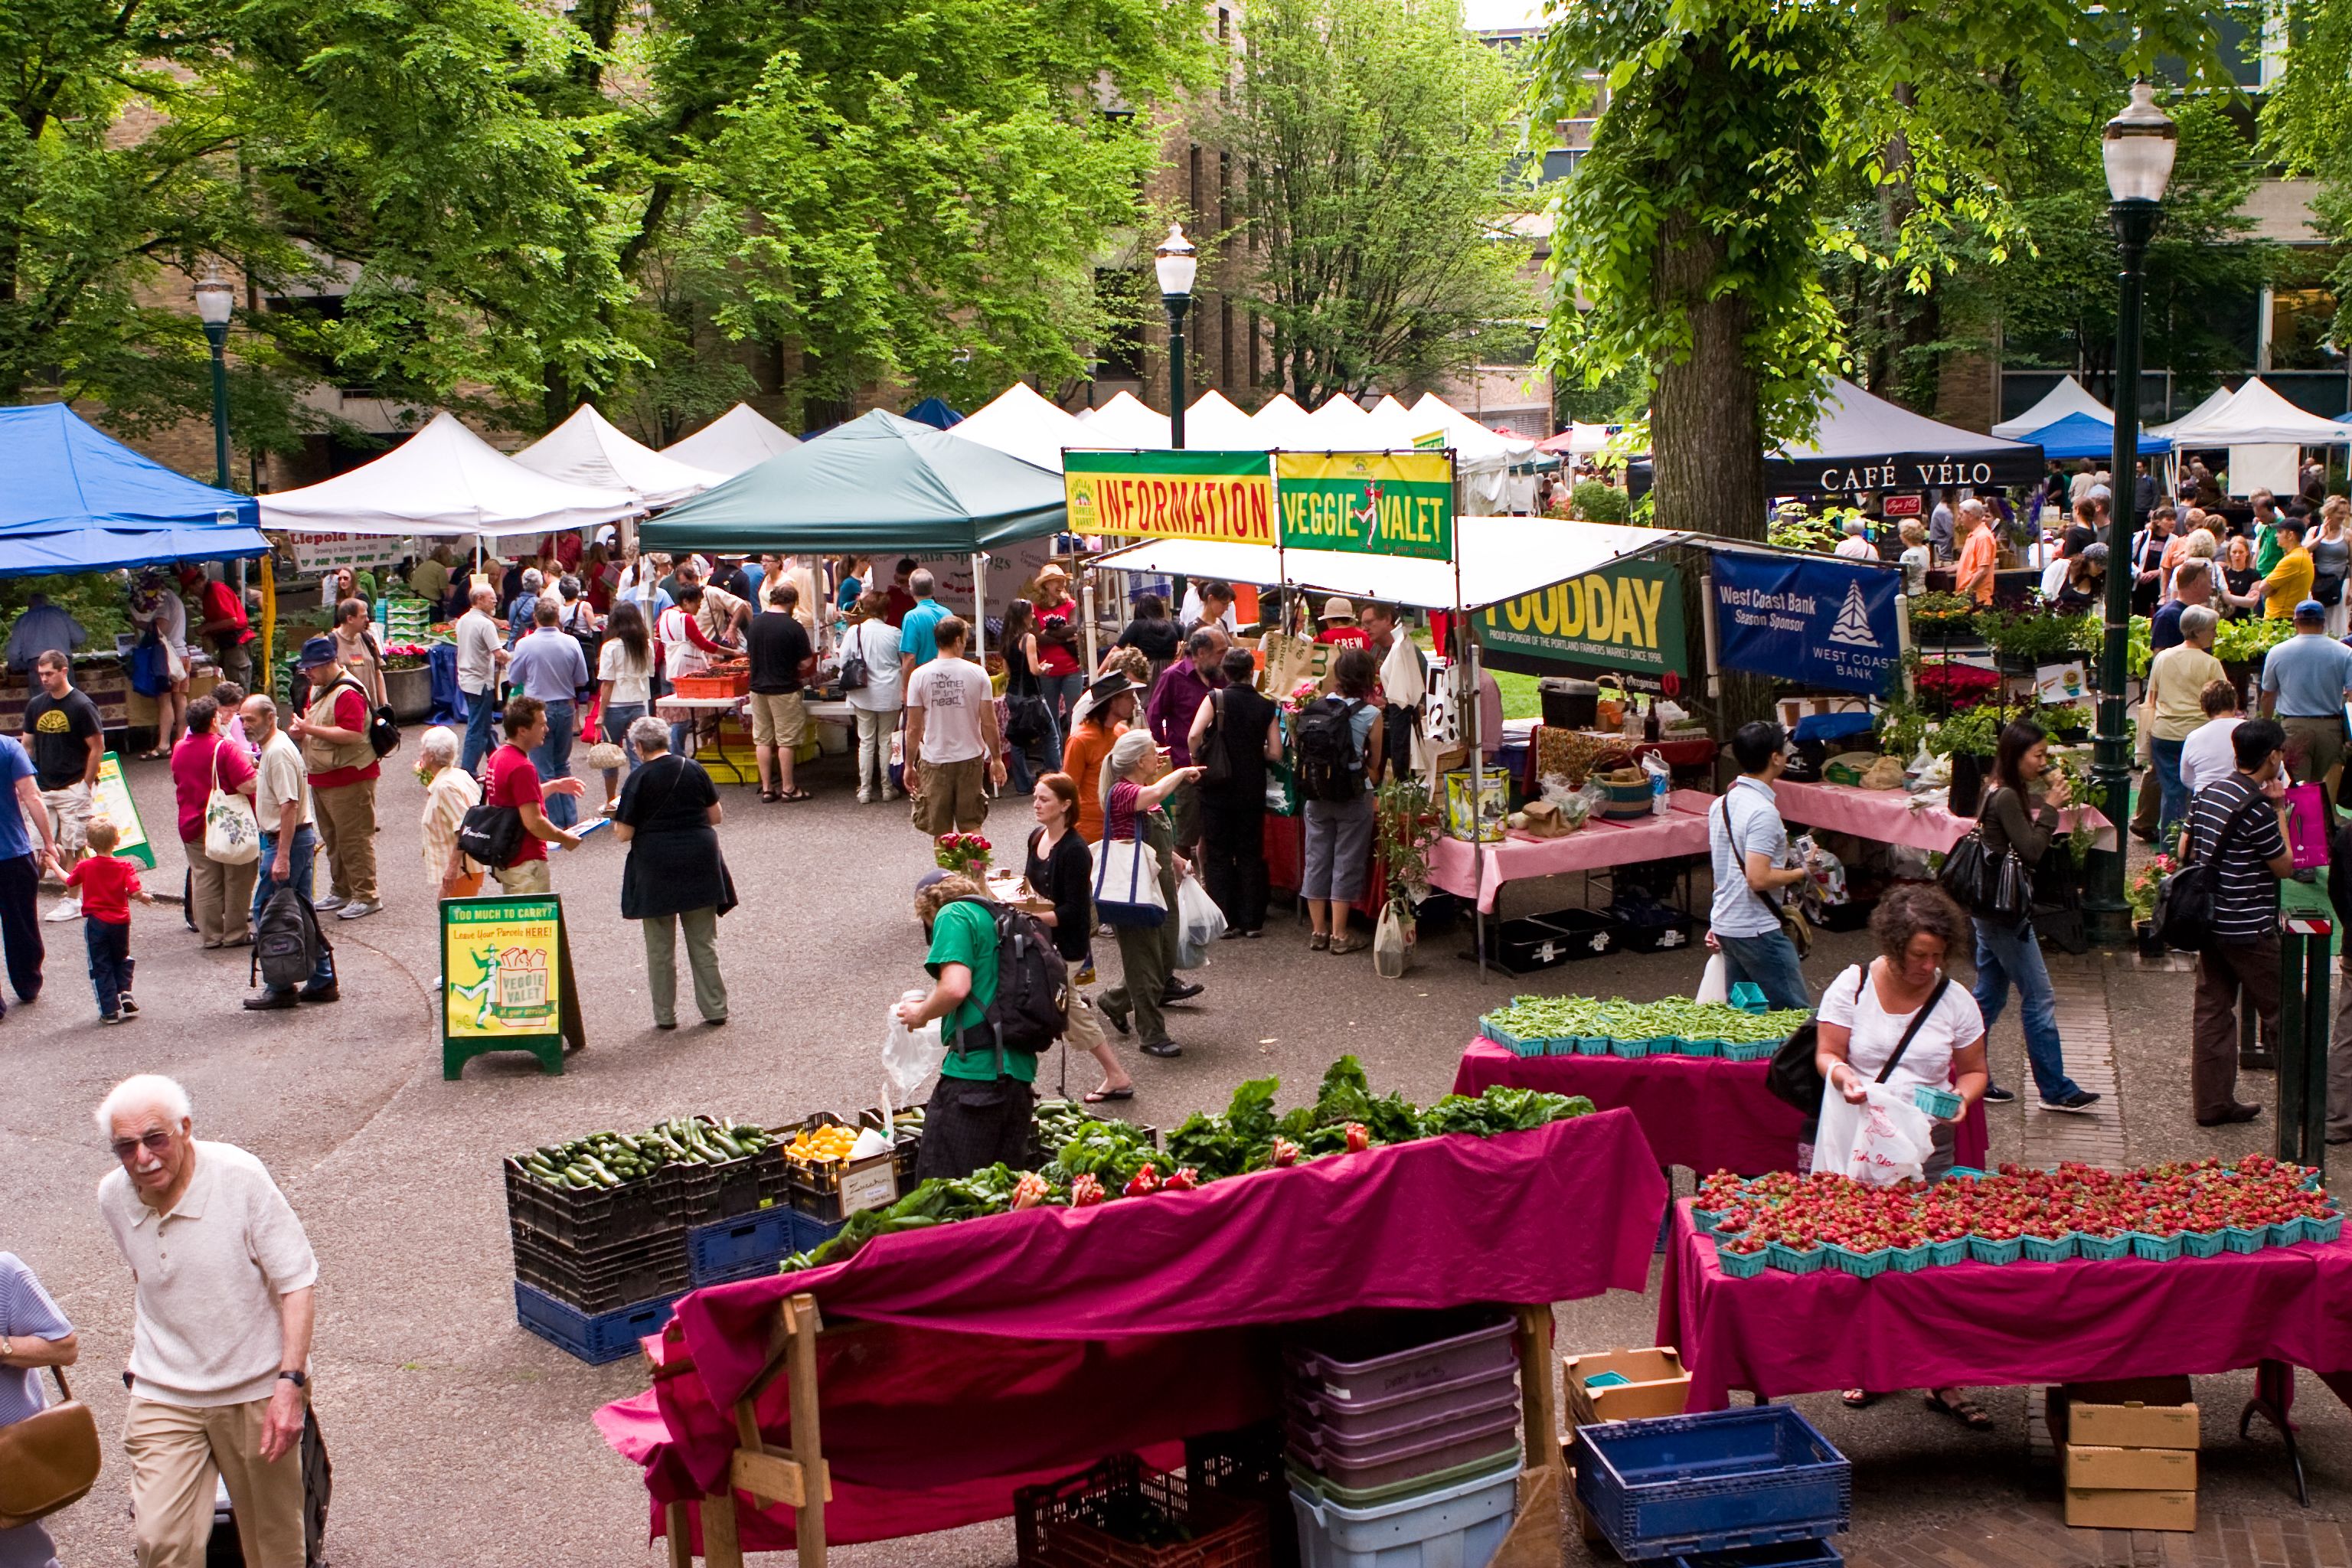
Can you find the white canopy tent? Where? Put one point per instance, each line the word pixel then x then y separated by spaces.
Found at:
pixel 2255 416
pixel 2066 397
pixel 1125 422
pixel 1343 425
pixel 2215 401
pixel 443 482
pixel 736 442
pixel 1502 558
pixel 1282 423
pixel 587 450
pixel 1022 424
pixel 1213 424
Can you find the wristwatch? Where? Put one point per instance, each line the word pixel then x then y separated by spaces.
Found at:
pixel 297 1378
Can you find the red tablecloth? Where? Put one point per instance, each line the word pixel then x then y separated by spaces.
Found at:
pixel 996 1352
pixel 1983 1324
pixel 1466 869
pixel 1286 858
pixel 1700 1113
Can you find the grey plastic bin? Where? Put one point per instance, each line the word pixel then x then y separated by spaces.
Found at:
pixel 1460 1526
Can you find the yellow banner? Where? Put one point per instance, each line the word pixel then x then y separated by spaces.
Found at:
pixel 504 965
pixel 1223 496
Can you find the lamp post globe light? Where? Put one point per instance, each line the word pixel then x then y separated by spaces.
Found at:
pixel 2139 149
pixel 1178 264
pixel 216 300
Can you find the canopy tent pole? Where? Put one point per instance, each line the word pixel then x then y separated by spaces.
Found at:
pixel 1478 757
pixel 1086 609
pixel 980 606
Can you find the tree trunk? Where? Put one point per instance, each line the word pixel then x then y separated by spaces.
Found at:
pixel 1707 435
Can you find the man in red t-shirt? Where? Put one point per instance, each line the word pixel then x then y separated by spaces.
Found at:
pixel 342 770
pixel 513 781
pixel 224 629
pixel 898 598
pixel 1340 628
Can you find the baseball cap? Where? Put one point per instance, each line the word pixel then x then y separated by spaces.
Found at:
pixel 316 652
pixel 2311 610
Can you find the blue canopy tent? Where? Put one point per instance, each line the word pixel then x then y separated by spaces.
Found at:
pixel 935 413
pixel 78 501
pixel 2082 436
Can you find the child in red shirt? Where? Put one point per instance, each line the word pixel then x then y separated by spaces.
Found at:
pixel 107 887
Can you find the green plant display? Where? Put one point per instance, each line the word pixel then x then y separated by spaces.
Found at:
pixel 2043 639
pixel 1597 502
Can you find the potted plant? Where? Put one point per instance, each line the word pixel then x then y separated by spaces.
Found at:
pixel 1941 615
pixel 2023 643
pixel 1969 737
pixel 2145 884
pixel 1406 828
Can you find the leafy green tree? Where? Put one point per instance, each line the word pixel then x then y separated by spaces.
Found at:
pixel 1695 226
pixel 1374 142
pixel 2306 122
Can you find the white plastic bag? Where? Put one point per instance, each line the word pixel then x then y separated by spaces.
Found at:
pixel 909 1056
pixel 1715 983
pixel 1884 1140
pixel 1391 942
pixel 1199 922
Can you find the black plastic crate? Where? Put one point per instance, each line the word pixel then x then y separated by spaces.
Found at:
pixel 1524 946
pixel 707 1193
pixel 1651 929
pixel 1246 1464
pixel 599 1280
pixel 1589 935
pixel 573 1217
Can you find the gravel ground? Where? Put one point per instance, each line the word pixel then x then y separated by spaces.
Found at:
pixel 452 1428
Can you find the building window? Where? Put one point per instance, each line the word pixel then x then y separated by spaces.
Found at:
pixel 1225 343
pixel 1120 290
pixel 1192 189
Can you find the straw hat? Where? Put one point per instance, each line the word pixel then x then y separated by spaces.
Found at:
pixel 1052 572
pixel 1336 609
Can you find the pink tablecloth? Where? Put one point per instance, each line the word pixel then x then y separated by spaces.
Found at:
pixel 1700 1113
pixel 1887 815
pixel 1981 1323
pixel 997 1353
pixel 1464 869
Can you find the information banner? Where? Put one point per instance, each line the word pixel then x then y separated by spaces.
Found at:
pixel 111 800
pixel 1814 620
pixel 505 980
pixel 1625 617
pixel 1381 503
pixel 1223 496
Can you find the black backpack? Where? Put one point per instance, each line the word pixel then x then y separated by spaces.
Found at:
pixel 1329 767
pixel 1026 1012
pixel 286 941
pixel 2184 902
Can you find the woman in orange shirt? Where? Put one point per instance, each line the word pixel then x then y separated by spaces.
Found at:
pixel 1102 714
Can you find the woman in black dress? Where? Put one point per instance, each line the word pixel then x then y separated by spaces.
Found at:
pixel 1235 735
pixel 674 879
pixel 1030 731
pixel 1060 870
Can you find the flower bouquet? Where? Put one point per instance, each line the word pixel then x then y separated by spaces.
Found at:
pixel 965 854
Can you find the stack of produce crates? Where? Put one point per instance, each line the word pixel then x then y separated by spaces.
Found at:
pixel 403 619
pixel 1402 1438
pixel 608 1231
pixel 2130 1453
pixel 1754 1488
pixel 1122 1514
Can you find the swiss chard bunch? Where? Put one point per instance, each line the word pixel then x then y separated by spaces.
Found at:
pixel 1500 1110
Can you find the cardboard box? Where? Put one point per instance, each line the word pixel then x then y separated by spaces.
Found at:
pixel 1655 1385
pixel 2096 1508
pixel 2131 1469
pixel 2136 1412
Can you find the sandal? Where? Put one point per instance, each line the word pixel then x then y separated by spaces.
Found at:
pixel 795 793
pixel 1858 1398
pixel 1096 1096
pixel 769 795
pixel 1962 1409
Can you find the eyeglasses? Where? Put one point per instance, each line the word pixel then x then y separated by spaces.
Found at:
pixel 156 1141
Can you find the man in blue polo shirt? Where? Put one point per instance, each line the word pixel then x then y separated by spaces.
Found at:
pixel 2304 682
pixel 919 643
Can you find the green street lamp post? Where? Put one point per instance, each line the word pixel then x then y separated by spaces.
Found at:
pixel 1178 263
pixel 216 302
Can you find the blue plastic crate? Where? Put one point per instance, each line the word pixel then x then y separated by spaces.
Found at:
pixel 1716 1482
pixel 1805 1553
pixel 738 1249
pixel 809 1232
pixel 604 1337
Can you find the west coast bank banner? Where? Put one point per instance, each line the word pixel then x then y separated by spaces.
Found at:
pixel 1223 496
pixel 1626 618
pixel 1381 503
pixel 1813 620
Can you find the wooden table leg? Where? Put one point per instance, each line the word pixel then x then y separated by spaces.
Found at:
pixel 679 1534
pixel 721 1546
pixel 809 1525
pixel 1539 1402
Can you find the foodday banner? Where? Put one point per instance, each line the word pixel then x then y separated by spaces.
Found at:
pixel 1813 620
pixel 1624 617
pixel 1378 503
pixel 1227 497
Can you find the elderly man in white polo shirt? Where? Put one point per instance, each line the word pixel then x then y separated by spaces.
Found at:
pixel 219 1358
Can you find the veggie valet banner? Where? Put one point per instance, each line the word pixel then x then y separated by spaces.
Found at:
pixel 1381 503
pixel 506 980
pixel 1810 619
pixel 1223 496
pixel 1624 617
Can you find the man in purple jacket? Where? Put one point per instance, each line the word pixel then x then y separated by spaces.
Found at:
pixel 1183 686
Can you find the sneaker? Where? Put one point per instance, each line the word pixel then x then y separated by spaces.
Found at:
pixel 2078 1103
pixel 331 902
pixel 109 1017
pixel 610 808
pixel 1998 1096
pixel 67 909
pixel 130 1008
pixel 865 798
pixel 270 1002
pixel 358 909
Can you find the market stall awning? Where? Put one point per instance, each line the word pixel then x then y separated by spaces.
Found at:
pixel 1022 424
pixel 2212 402
pixel 2082 436
pixel 738 439
pixel 440 483
pixel 1502 558
pixel 877 483
pixel 1865 443
pixel 1126 423
pixel 2256 416
pixel 588 449
pixel 936 412
pixel 79 500
pixel 2067 397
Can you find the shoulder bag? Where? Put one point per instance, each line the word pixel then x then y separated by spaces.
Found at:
pixel 50 1460
pixel 1794 1075
pixel 1998 887
pixel 1217 763
pixel 1127 880
pixel 2184 901
pixel 231 833
pixel 855 676
pixel 1793 924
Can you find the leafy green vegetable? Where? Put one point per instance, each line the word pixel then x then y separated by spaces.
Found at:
pixel 1564 1018
pixel 1501 1109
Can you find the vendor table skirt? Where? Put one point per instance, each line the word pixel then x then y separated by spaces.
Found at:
pixel 1980 1323
pixel 1701 1112
pixel 1480 870
pixel 1285 852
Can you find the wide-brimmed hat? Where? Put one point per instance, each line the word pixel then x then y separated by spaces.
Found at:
pixel 1050 572
pixel 1339 609
pixel 1109 687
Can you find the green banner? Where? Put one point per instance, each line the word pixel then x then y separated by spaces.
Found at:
pixel 1627 617
pixel 1381 503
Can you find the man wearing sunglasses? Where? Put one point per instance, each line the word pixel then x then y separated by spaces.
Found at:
pixel 219 1355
